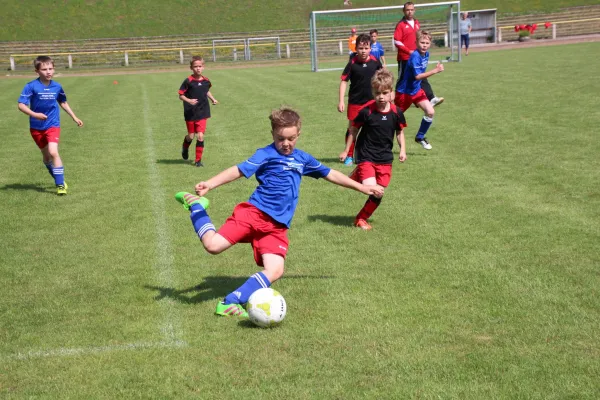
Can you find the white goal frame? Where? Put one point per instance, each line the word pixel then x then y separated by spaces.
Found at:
pixel 240 41
pixel 455 53
pixel 260 39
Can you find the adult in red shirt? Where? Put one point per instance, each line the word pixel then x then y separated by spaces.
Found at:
pixel 405 40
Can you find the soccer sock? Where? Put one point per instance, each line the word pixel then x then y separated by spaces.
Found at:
pixel 186 143
pixel 242 294
pixel 425 124
pixel 351 151
pixel 199 150
pixel 200 220
pixel 49 167
pixel 369 208
pixel 59 175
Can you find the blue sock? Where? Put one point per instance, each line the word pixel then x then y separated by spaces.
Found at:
pixel 425 124
pixel 200 220
pixel 242 294
pixel 59 175
pixel 49 167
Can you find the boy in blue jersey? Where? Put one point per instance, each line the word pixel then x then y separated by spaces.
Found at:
pixel 377 50
pixel 409 87
pixel 265 218
pixel 40 99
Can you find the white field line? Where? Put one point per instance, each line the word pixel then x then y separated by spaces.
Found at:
pixel 171 327
pixel 81 351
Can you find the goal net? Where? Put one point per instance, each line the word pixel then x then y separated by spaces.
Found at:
pixel 330 29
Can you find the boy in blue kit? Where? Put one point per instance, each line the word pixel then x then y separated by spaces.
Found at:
pixel 40 99
pixel 377 50
pixel 409 88
pixel 265 218
pixel 379 122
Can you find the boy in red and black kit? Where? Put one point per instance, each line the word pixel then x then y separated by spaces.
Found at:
pixel 405 40
pixel 359 72
pixel 195 92
pixel 379 122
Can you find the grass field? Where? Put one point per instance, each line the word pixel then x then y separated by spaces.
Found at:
pixel 479 281
pixel 107 19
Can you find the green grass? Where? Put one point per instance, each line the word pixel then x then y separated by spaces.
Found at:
pixel 479 281
pixel 106 19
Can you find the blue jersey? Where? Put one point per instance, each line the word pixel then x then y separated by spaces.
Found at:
pixel 377 50
pixel 279 179
pixel 417 64
pixel 43 99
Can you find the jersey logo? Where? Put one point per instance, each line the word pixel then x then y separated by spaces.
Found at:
pixel 364 65
pixel 384 118
pixel 199 83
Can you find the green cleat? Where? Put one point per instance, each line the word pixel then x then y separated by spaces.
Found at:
pixel 187 199
pixel 61 190
pixel 231 310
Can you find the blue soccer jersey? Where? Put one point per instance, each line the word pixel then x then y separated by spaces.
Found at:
pixel 279 179
pixel 377 50
pixel 43 99
pixel 417 64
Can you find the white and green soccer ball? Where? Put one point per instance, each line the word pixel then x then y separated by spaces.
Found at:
pixel 266 308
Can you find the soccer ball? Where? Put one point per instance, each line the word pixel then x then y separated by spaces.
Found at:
pixel 266 308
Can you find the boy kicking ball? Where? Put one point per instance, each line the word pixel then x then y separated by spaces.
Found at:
pixel 264 219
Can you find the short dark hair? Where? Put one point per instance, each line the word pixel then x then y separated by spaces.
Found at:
pixel 408 3
pixel 37 63
pixel 285 117
pixel 372 31
pixel 363 38
pixel 196 58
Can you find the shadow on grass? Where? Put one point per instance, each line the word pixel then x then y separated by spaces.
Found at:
pixel 213 288
pixel 24 186
pixel 170 162
pixel 339 220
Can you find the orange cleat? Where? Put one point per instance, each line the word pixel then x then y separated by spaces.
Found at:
pixel 362 224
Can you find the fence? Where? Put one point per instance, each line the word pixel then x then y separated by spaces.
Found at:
pixel 269 45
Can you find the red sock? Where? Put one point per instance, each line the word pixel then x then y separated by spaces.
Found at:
pixel 369 208
pixel 199 150
pixel 351 151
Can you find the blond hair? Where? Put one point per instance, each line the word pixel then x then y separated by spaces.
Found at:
pixel 382 80
pixel 423 34
pixel 284 117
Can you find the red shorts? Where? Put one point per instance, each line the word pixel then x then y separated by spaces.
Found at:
pixel 43 137
pixel 196 126
pixel 381 172
pixel 353 109
pixel 248 224
pixel 403 100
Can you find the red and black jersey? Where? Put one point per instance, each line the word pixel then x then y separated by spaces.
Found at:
pixel 377 132
pixel 193 88
pixel 359 74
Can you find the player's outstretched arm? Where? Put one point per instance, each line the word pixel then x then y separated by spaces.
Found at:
pixel 351 139
pixel 340 179
pixel 438 68
pixel 229 175
pixel 65 106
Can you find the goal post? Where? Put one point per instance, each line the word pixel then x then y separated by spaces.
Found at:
pixel 329 31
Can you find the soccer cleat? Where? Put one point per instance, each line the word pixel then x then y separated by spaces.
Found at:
pixel 199 164
pixel 185 153
pixel 187 199
pixel 231 310
pixel 423 142
pixel 348 161
pixel 61 190
pixel 436 101
pixel 362 224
